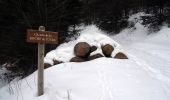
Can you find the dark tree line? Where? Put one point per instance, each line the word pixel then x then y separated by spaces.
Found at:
pixel 112 15
pixel 16 16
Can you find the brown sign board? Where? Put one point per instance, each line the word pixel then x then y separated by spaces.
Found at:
pixel 46 37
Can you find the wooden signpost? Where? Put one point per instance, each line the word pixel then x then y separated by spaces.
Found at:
pixel 41 37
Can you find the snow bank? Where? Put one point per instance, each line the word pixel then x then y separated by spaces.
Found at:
pixel 135 32
pixel 90 34
pixel 161 36
pixel 100 79
pixel 3 78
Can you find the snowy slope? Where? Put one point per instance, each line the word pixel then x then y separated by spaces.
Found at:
pixel 144 76
pixel 101 79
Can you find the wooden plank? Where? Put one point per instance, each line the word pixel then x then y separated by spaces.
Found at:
pixel 46 37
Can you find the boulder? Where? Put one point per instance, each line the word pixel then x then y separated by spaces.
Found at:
pixel 95 56
pixel 120 55
pixel 77 59
pixel 82 49
pixel 47 65
pixel 107 50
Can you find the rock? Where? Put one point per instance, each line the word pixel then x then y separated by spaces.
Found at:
pixel 95 56
pixel 77 59
pixel 120 55
pixel 57 62
pixel 107 50
pixel 82 49
pixel 47 65
pixel 93 48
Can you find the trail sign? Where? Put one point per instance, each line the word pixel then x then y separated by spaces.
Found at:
pixel 46 37
pixel 41 37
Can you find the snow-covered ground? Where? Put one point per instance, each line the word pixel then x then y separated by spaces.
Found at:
pixel 144 76
pixel 3 78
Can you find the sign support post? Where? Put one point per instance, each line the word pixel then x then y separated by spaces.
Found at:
pixel 41 65
pixel 41 37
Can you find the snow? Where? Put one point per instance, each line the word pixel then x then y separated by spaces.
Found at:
pixel 100 79
pixel 135 33
pixel 3 80
pixel 135 18
pixel 144 76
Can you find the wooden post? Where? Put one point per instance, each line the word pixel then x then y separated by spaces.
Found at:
pixel 41 65
pixel 41 37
